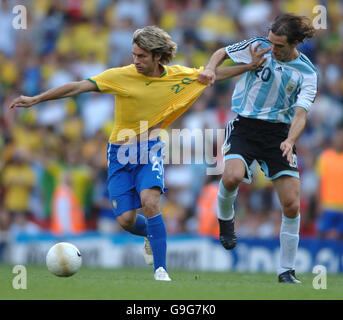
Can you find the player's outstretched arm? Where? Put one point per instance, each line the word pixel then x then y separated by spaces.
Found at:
pixel 68 90
pixel 223 73
pixel 257 60
pixel 208 76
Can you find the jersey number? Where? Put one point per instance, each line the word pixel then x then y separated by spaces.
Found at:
pixel 265 75
pixel 178 87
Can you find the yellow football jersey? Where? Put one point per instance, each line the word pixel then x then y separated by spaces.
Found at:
pixel 142 102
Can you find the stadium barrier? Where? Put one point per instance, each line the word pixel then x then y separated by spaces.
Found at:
pixel 184 252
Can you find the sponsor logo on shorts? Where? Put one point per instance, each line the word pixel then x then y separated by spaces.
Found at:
pixel 226 148
pixel 114 204
pixel 294 163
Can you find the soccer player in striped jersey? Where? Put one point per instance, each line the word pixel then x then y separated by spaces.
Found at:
pixel 156 94
pixel 271 103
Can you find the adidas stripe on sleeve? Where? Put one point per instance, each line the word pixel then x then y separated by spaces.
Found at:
pixel 240 53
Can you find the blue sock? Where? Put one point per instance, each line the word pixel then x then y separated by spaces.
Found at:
pixel 157 235
pixel 140 228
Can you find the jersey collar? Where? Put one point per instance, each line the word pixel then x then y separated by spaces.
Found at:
pixel 164 72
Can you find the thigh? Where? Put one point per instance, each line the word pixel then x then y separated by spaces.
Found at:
pixel 121 188
pixel 234 172
pixel 122 193
pixel 151 174
pixel 150 199
pixel 238 150
pixel 288 190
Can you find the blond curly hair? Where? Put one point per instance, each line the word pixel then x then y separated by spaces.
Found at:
pixel 156 41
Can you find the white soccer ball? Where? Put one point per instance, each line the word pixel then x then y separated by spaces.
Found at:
pixel 63 259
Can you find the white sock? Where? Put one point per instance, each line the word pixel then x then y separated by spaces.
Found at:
pixel 289 239
pixel 226 200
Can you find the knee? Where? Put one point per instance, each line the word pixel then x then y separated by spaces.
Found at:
pixel 127 223
pixel 150 206
pixel 231 181
pixel 291 208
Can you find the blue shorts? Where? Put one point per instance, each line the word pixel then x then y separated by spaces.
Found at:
pixel 331 220
pixel 131 169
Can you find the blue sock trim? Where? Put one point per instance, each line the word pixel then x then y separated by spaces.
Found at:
pixel 155 218
pixel 284 218
pixel 226 193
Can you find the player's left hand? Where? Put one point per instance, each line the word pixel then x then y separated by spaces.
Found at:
pixel 286 147
pixel 257 56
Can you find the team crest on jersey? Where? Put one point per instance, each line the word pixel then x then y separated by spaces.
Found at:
pixel 291 86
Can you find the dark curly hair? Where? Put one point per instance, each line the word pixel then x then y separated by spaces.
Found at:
pixel 295 28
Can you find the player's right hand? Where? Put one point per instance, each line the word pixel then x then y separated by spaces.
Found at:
pixel 23 102
pixel 207 77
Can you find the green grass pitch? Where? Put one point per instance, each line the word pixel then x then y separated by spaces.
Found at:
pixel 138 284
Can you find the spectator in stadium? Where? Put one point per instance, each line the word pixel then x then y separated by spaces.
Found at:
pixel 5 223
pixel 268 100
pixel 207 208
pixel 165 92
pixel 18 179
pixel 330 172
pixel 67 216
pixel 21 224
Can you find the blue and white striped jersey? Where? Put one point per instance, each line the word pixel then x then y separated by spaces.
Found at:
pixel 272 91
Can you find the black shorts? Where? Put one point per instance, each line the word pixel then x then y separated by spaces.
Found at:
pixel 252 139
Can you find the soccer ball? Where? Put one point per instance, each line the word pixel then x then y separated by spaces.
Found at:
pixel 63 259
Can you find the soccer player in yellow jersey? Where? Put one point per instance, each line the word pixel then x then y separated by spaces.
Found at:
pixel 155 94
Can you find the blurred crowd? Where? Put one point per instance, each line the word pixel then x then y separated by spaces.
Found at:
pixel 53 156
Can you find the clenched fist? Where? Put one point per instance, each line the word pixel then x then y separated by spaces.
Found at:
pixel 207 77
